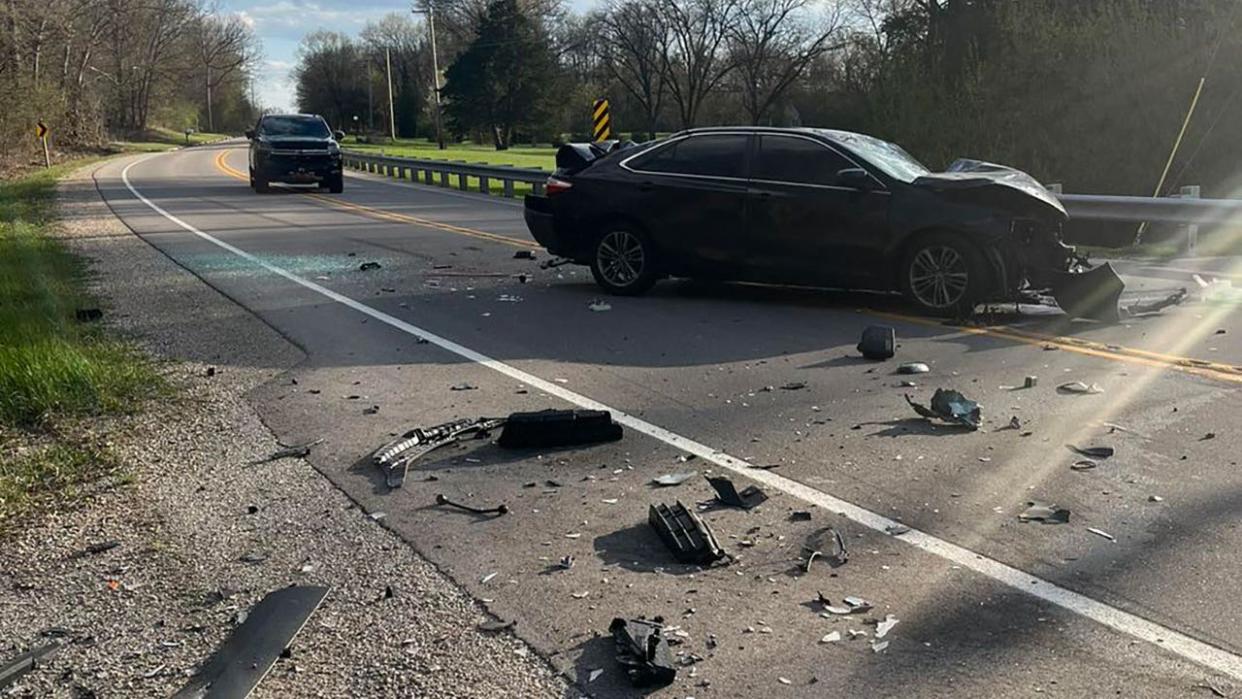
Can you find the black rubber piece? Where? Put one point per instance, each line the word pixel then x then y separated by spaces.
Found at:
pixel 245 658
pixel 878 342
pixel 643 651
pixel 558 428
pixel 685 534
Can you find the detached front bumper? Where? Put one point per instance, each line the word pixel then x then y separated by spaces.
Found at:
pixel 1081 290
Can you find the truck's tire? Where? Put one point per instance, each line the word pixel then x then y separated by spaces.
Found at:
pixel 261 185
pixel 335 183
pixel 944 274
pixel 623 261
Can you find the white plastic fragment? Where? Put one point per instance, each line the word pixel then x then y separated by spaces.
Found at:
pixel 882 628
pixel 831 637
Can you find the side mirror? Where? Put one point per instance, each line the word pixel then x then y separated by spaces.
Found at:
pixel 250 134
pixel 338 135
pixel 855 177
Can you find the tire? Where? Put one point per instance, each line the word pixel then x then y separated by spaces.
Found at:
pixel 252 178
pixel 261 185
pixel 944 274
pixel 335 183
pixel 623 261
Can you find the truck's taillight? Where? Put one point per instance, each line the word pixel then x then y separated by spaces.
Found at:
pixel 555 186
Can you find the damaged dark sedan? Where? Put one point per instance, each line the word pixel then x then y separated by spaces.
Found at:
pixel 812 207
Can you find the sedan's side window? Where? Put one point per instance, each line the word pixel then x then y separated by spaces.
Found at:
pixel 798 160
pixel 709 155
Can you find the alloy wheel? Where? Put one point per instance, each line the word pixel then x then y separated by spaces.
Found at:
pixel 620 258
pixel 939 276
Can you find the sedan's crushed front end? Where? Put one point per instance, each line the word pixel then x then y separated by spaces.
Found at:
pixel 1033 256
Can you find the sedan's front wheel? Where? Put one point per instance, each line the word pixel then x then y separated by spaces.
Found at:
pixel 944 274
pixel 623 261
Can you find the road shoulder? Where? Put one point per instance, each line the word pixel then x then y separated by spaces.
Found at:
pixel 137 618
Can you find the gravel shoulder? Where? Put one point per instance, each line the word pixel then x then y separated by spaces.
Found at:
pixel 137 619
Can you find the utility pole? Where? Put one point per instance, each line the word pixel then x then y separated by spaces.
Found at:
pixel 392 112
pixel 370 100
pixel 435 69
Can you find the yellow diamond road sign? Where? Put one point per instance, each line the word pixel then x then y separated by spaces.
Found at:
pixel 41 130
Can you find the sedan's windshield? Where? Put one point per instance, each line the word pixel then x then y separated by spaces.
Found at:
pixel 888 157
pixel 310 127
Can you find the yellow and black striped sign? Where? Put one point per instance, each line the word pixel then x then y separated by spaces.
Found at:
pixel 602 121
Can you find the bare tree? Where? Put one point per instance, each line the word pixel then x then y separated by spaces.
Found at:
pixel 772 43
pixel 694 63
pixel 633 43
pixel 225 46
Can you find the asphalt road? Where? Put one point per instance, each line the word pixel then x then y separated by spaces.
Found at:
pixel 1132 597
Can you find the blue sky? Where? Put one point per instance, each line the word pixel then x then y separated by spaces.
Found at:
pixel 281 24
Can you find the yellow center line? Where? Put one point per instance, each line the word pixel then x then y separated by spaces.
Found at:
pixel 1118 353
pixel 390 216
pixel 1129 355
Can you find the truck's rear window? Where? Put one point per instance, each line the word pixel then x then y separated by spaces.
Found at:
pixel 293 126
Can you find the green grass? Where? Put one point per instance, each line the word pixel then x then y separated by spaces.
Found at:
pixel 518 156
pixel 50 364
pixel 158 139
pixel 50 473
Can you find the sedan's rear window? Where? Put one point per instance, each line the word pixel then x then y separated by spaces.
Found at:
pixel 710 155
pixel 798 160
pixel 309 127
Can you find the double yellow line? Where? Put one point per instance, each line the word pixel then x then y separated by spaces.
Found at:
pixel 382 215
pixel 1117 353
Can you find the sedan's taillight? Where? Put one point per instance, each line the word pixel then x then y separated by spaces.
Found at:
pixel 555 186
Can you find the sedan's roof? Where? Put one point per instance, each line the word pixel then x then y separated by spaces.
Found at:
pixel 833 134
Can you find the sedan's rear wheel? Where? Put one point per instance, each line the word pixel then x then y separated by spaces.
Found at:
pixel 623 262
pixel 944 275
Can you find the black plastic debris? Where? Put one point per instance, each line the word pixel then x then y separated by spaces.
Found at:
pixel 727 494
pixel 950 406
pixel 558 428
pixel 502 509
pixel 297 451
pixel 1092 452
pixel 1157 305
pixel 828 544
pixel 88 315
pixel 643 651
pixel 1079 388
pixel 101 547
pixel 685 534
pixel 496 625
pixel 878 342
pixel 524 255
pixel 800 516
pixel 850 605
pixel 913 368
pixel 24 663
pixel 368 266
pixel 463 387
pixel 1043 512
pixel 241 663
pixel 794 386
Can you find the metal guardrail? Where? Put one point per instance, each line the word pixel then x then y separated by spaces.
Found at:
pixel 440 172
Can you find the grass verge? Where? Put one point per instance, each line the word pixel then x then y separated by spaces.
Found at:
pixel 518 156
pixel 54 368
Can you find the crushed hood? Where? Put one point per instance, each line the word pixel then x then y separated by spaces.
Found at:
pixel 989 184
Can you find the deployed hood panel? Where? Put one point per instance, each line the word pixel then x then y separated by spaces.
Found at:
pixel 989 184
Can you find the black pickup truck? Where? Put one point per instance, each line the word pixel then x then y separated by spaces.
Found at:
pixel 295 149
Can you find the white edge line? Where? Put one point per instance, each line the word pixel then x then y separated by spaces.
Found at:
pixel 1175 642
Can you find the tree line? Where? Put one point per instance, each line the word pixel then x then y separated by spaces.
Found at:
pixel 96 69
pixel 1089 93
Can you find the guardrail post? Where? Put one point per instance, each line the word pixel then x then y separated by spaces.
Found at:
pixel 1192 229
pixel 508 189
pixel 484 185
pixel 536 188
pixel 461 182
pixel 427 175
pixel 444 178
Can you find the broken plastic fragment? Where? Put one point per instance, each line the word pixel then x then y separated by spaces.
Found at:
pixel 1092 452
pixel 829 544
pixel 1078 387
pixel 1102 533
pixel 643 651
pixel 879 646
pixel 671 479
pixel 1157 305
pixel 832 637
pixel 594 675
pixel 1084 465
pixel 368 266
pixel 913 368
pixel 687 536
pixel 463 387
pixel 882 628
pixel 950 406
pixel 897 529
pixel 599 306
pixel 794 386
pixel 1043 512
pixel 878 342
pixel 749 498
pixel 487 577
